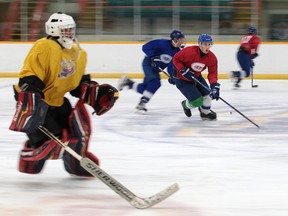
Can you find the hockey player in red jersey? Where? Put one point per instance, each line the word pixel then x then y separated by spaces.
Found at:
pixel 53 67
pixel 248 50
pixel 189 63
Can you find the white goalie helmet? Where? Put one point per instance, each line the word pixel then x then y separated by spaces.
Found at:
pixel 63 27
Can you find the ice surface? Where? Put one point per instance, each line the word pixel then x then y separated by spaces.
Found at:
pixel 226 167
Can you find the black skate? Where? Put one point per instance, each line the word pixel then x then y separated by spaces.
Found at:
pixel 234 75
pixel 237 83
pixel 235 78
pixel 210 116
pixel 186 111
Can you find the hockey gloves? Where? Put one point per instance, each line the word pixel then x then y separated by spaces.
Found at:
pixel 215 91
pixel 171 81
pixel 187 73
pixel 30 112
pixel 255 55
pixel 155 62
pixel 101 97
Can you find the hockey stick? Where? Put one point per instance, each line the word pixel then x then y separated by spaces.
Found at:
pixel 168 75
pixel 117 187
pixel 219 97
pixel 252 79
pixel 227 103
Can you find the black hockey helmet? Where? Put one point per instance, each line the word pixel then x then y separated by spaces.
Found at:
pixel 175 34
pixel 251 30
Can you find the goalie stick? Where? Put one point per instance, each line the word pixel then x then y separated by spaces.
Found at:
pixel 117 187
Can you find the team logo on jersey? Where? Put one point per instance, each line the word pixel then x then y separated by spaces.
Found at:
pixel 197 66
pixel 165 58
pixel 67 68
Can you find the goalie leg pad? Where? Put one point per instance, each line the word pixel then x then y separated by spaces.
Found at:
pixel 80 129
pixel 30 167
pixel 30 112
pixel 49 150
pixel 73 167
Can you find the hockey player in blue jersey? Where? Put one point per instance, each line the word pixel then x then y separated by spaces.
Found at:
pixel 158 54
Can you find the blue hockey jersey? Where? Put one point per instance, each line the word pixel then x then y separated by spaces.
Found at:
pixel 162 48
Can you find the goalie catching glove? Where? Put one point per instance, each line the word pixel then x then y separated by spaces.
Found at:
pixel 101 97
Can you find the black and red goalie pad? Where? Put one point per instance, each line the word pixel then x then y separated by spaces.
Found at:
pixel 30 112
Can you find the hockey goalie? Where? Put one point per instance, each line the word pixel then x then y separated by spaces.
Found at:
pixel 54 66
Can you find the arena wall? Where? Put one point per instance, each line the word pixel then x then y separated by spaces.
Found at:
pixel 111 59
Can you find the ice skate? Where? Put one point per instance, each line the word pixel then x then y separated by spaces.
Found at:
pixel 186 110
pixel 210 116
pixel 141 107
pixel 234 75
pixel 237 83
pixel 124 81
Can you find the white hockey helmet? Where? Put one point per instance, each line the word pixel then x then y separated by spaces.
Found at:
pixel 63 27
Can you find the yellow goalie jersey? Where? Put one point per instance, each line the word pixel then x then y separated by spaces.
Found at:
pixel 59 69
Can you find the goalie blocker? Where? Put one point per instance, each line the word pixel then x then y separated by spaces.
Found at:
pixel 30 112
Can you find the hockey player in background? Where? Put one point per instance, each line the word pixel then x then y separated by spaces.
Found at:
pixel 53 67
pixel 247 52
pixel 189 63
pixel 158 56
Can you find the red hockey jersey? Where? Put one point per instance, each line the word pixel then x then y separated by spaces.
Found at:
pixel 250 43
pixel 190 57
